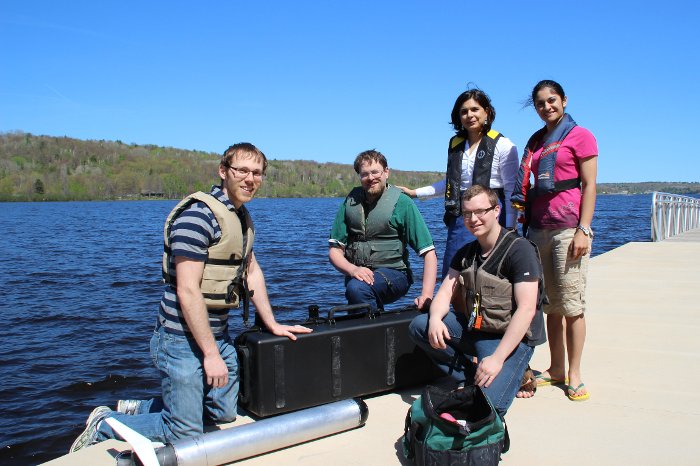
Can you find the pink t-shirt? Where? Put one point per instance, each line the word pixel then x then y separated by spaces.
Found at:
pixel 562 209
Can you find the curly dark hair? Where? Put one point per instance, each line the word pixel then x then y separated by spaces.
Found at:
pixel 369 156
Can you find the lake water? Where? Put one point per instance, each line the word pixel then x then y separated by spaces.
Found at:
pixel 80 284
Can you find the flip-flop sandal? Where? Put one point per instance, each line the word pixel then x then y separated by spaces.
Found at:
pixel 546 381
pixel 571 393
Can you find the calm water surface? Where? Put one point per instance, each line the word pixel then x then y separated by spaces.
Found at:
pixel 80 285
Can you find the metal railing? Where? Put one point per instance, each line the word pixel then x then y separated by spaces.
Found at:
pixel 672 214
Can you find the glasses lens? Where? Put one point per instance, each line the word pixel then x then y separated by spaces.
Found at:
pixel 373 174
pixel 243 172
pixel 479 213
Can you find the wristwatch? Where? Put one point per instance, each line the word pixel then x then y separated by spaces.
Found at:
pixel 586 231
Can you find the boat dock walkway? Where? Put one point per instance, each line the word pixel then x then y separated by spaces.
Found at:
pixel 641 365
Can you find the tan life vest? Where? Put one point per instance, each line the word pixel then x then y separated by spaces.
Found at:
pixel 225 270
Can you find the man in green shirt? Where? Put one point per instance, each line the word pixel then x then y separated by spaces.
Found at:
pixel 369 239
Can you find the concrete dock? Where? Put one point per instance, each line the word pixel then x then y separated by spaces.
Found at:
pixel 641 364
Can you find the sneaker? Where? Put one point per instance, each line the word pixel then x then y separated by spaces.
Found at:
pixel 128 406
pixel 90 433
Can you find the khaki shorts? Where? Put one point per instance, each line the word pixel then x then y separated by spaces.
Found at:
pixel 564 279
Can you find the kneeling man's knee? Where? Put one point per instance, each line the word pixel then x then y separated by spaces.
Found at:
pixel 358 292
pixel 417 329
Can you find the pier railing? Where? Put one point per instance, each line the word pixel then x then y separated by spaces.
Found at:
pixel 672 214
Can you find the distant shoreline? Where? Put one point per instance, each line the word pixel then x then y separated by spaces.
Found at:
pixel 46 168
pixel 147 198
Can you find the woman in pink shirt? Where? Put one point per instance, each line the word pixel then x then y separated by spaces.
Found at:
pixel 560 209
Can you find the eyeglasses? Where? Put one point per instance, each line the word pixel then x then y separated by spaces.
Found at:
pixel 373 174
pixel 243 172
pixel 478 212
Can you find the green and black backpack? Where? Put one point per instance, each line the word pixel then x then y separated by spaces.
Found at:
pixel 458 427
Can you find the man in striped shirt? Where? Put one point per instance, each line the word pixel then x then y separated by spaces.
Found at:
pixel 209 267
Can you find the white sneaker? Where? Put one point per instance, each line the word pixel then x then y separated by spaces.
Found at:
pixel 87 437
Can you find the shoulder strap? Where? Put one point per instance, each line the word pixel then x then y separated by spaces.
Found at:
pixel 470 254
pixel 493 262
pixel 484 159
pixel 506 251
pixel 456 141
pixel 167 228
pixel 392 194
pixel 541 295
pixel 453 175
pixel 544 181
pixel 493 134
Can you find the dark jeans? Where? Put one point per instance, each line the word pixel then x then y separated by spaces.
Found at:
pixel 389 285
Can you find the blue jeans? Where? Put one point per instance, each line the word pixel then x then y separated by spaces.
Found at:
pixel 389 286
pixel 455 361
pixel 187 401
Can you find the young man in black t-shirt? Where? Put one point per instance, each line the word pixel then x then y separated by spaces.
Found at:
pixel 498 271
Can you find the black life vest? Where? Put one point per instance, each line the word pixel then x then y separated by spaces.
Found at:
pixel 481 175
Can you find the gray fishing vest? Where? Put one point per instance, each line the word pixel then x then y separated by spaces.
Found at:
pixel 372 241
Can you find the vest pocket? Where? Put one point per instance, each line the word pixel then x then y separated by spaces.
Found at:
pixel 385 254
pixel 496 308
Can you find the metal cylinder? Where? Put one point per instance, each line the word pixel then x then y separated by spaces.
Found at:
pixel 224 446
pixel 227 445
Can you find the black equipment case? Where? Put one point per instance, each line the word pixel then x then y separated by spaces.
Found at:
pixel 344 357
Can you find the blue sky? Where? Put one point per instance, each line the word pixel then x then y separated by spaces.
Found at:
pixel 322 80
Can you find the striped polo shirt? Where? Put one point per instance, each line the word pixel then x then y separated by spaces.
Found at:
pixel 194 230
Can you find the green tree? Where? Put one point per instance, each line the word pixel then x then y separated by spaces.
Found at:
pixel 38 186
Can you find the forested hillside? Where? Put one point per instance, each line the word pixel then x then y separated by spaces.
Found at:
pixel 62 168
pixel 36 168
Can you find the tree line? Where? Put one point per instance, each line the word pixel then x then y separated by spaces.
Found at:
pixel 47 168
pixel 62 168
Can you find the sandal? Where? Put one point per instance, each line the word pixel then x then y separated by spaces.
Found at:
pixel 571 392
pixel 529 382
pixel 546 381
